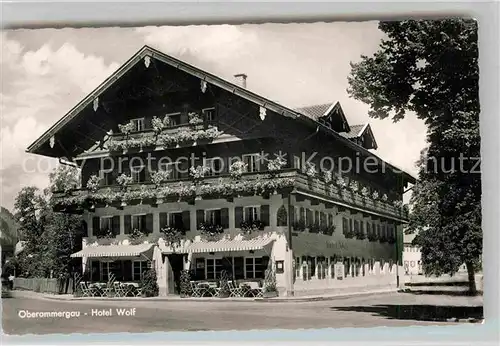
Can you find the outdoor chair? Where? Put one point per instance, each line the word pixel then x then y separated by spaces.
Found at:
pixel 86 290
pixel 234 290
pixel 256 290
pixel 196 291
pixel 119 289
pixel 139 290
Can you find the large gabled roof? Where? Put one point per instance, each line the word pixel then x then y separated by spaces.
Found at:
pixel 152 53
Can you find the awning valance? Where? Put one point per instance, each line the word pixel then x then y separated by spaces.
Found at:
pixel 229 245
pixel 115 251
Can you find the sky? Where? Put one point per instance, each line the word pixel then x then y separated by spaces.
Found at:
pixel 45 72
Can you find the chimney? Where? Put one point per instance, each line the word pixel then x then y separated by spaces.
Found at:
pixel 243 79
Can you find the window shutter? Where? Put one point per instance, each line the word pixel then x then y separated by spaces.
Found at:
pixel 186 220
pixel 163 220
pixel 149 223
pixel 238 216
pixel 96 225
pixel 224 216
pixel 128 224
pixel 200 217
pixel 116 224
pixel 302 213
pixel 264 214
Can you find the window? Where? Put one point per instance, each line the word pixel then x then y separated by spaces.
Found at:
pixel 296 162
pixel 214 166
pixel 175 118
pixel 378 230
pixel 209 114
pixel 175 220
pixel 251 214
pixel 106 223
pixel 254 267
pixel 138 174
pixel 214 268
pixel 345 224
pixel 311 262
pixel 298 265
pixel 106 173
pixel 303 215
pixel 108 268
pixel 368 228
pixel 252 161
pixel 330 220
pixel 213 216
pixel 169 167
pixel 139 222
pixel 138 124
pixel 138 268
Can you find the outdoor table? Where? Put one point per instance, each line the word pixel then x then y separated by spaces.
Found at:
pixel 130 288
pixel 207 289
pixel 97 288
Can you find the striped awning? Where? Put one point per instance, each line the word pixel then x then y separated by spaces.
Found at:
pixel 229 245
pixel 115 251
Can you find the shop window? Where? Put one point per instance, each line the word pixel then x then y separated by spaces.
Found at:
pixel 214 268
pixel 255 267
pixel 138 268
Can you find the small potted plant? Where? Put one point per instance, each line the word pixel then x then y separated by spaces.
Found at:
pixel 270 290
pixel 224 291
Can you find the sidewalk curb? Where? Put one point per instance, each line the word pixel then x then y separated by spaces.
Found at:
pixel 36 295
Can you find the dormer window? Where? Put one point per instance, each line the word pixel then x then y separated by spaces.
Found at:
pixel 138 124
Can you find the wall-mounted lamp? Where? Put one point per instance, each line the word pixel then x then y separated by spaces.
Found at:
pixel 251 251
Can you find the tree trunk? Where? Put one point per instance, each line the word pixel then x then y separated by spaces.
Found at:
pixel 472 278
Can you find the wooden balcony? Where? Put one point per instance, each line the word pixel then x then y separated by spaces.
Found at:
pixel 223 186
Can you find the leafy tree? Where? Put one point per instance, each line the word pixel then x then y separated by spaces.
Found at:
pixel 50 237
pixel 430 68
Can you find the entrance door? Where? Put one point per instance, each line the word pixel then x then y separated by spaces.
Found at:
pixel 177 263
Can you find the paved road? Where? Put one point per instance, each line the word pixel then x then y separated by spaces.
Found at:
pixel 394 309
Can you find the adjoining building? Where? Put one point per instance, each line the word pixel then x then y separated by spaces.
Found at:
pixel 182 170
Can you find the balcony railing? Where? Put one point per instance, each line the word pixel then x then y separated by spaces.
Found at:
pixel 254 183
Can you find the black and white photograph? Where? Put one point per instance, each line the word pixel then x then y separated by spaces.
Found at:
pixel 241 177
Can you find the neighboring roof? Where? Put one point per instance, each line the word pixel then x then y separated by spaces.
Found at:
pixel 356 131
pixel 230 245
pixel 147 51
pixel 315 111
pixel 120 250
